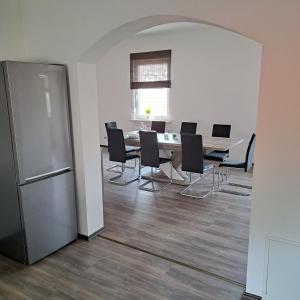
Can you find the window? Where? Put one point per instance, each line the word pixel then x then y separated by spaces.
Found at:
pixel 155 99
pixel 150 81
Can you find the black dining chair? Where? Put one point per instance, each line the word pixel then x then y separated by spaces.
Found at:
pixel 158 126
pixel 128 149
pixel 111 124
pixel 117 153
pixel 193 162
pixel 150 157
pixel 247 164
pixel 223 131
pixel 188 127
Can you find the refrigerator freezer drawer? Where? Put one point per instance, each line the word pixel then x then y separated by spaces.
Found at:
pixel 49 215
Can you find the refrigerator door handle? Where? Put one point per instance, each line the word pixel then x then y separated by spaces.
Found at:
pixel 49 174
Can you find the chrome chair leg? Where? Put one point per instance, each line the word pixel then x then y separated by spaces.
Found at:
pixel 214 180
pixel 152 180
pixel 120 174
pixel 224 174
pixel 232 192
pixel 111 169
pixel 184 191
pixel 245 186
pixel 214 171
pixel 227 174
pixel 114 180
pixel 140 169
pixel 171 177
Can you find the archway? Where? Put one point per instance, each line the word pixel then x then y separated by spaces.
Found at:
pixel 87 74
pixel 115 36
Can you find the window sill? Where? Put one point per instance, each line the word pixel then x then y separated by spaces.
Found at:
pixel 150 120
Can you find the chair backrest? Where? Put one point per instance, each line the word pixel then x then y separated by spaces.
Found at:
pixel 116 145
pixel 149 149
pixel 250 153
pixel 112 124
pixel 158 126
pixel 188 127
pixel 192 153
pixel 221 130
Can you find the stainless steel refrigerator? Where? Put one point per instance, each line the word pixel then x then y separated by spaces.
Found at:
pixel 37 194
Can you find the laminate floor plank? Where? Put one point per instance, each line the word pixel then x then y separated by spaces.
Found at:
pixel 210 234
pixel 105 270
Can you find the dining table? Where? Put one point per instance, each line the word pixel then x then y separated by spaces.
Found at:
pixel 170 145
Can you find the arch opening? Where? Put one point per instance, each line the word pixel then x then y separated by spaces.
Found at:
pixel 87 63
pixel 117 35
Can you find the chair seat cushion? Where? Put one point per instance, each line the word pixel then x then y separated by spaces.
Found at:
pixel 217 156
pixel 230 163
pixel 129 149
pixel 163 160
pixel 131 156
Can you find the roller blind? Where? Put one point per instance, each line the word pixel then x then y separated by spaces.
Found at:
pixel 150 69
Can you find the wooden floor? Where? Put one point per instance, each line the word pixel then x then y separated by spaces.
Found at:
pixel 154 246
pixel 209 234
pixel 101 269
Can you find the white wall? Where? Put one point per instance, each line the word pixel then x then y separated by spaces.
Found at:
pixel 67 30
pixel 215 79
pixel 11 34
pixel 90 213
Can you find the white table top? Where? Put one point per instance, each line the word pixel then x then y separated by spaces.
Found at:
pixel 170 141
